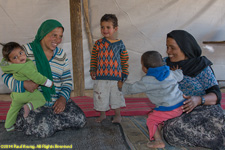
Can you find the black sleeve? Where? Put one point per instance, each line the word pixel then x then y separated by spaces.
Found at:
pixel 215 89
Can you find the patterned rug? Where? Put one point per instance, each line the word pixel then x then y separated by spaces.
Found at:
pixel 134 107
pixel 94 136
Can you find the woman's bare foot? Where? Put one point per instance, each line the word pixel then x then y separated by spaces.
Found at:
pixel 117 119
pixel 156 144
pixel 26 111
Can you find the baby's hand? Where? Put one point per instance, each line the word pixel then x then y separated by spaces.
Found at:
pixel 48 83
pixel 120 85
pixel 93 75
pixel 175 68
pixel 52 85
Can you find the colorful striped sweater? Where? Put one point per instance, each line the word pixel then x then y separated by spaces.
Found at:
pixel 60 72
pixel 109 60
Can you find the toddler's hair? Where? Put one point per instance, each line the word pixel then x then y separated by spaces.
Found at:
pixel 110 17
pixel 8 48
pixel 152 59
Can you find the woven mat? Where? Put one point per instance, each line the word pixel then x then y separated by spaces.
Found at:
pixel 136 134
pixel 134 107
pixel 94 136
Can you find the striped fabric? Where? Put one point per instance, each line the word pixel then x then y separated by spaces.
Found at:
pixel 134 106
pixel 109 60
pixel 60 71
pixel 13 85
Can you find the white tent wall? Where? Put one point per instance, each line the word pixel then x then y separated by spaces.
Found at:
pixel 143 25
pixel 20 20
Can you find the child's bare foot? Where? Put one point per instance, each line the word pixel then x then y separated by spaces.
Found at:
pixel 117 119
pixel 26 111
pixel 100 119
pixel 156 144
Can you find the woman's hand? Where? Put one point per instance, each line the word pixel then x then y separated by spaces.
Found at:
pixel 191 103
pixel 30 86
pixel 60 105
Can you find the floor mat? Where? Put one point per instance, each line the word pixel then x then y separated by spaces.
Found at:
pixel 134 107
pixel 4 107
pixel 136 134
pixel 94 136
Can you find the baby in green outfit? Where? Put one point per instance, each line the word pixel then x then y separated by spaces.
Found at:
pixel 15 62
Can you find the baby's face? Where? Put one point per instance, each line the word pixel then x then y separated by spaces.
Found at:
pixel 17 56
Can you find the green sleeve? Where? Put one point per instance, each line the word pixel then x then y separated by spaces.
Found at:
pixel 30 72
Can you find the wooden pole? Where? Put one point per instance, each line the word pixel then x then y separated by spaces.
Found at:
pixel 87 24
pixel 77 47
pixel 213 42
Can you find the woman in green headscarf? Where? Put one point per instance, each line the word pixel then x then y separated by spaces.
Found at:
pixel 48 37
pixel 51 62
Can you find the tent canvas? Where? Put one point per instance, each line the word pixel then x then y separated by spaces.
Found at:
pixel 143 26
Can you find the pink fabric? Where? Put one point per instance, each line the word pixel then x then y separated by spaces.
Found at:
pixel 158 117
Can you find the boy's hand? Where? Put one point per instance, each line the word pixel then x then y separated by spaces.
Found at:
pixel 120 85
pixel 93 75
pixel 175 68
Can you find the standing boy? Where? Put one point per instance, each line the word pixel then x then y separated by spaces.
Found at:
pixel 109 64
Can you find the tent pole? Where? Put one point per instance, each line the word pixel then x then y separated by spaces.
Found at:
pixel 77 47
pixel 87 24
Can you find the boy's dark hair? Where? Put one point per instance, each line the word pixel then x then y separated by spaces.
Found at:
pixel 110 17
pixel 152 59
pixel 8 48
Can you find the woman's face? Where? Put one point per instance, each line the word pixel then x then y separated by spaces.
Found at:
pixel 52 39
pixel 173 50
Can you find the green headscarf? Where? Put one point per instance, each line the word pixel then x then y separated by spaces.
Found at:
pixel 40 57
